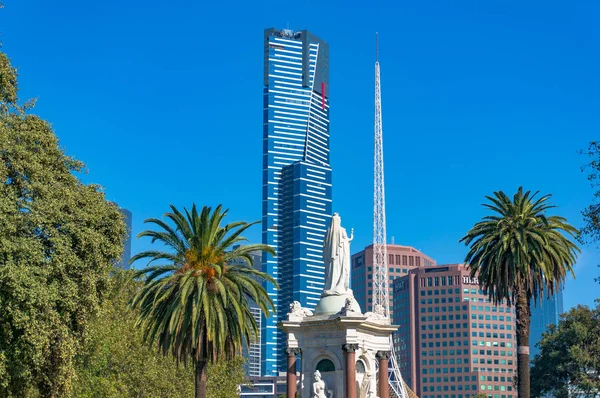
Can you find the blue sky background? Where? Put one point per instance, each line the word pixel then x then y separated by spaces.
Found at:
pixel 163 102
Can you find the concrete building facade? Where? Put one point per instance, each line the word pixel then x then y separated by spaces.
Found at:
pixel 401 259
pixel 452 341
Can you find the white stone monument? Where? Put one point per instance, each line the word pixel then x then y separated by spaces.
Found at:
pixel 339 345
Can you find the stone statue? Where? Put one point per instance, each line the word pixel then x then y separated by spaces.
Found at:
pixel 365 388
pixel 336 256
pixel 349 308
pixel 318 386
pixel 378 314
pixel 296 309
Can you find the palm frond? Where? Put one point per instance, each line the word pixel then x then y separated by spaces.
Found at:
pixel 197 307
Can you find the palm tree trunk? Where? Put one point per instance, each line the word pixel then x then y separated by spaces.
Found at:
pixel 523 311
pixel 201 379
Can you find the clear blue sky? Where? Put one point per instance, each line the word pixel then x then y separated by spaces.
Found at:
pixel 163 100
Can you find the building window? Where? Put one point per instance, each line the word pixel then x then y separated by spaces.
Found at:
pixel 404 260
pixel 418 261
pixel 391 256
pixel 325 365
pixel 411 261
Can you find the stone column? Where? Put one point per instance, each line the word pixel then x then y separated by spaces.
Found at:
pixel 291 371
pixel 384 389
pixel 350 354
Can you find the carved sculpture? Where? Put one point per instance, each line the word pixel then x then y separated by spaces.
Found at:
pixel 347 309
pixel 378 314
pixel 319 386
pixel 296 309
pixel 336 256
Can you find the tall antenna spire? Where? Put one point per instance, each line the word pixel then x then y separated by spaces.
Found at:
pixel 380 265
pixel 381 297
pixel 376 47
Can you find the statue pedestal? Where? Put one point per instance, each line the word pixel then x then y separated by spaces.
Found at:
pixel 343 348
pixel 330 305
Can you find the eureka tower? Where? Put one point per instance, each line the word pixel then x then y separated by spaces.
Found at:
pixel 296 194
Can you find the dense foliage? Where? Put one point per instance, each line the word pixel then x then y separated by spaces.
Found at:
pixel 225 377
pixel 59 239
pixel 591 214
pixel 519 254
pixel 116 363
pixel 196 306
pixel 569 356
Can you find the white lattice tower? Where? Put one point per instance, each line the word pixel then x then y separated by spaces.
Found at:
pixel 380 264
pixel 380 269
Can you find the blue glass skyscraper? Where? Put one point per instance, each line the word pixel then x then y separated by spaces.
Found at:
pixel 542 315
pixel 296 202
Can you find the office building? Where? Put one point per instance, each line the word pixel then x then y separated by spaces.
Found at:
pixel 401 259
pixel 264 387
pixel 124 261
pixel 296 202
pixel 545 313
pixel 452 341
pixel 252 351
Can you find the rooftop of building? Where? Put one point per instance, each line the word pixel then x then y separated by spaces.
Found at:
pixel 396 247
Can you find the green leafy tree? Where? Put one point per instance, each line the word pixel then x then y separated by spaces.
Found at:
pixel 569 356
pixel 519 253
pixel 59 239
pixel 590 233
pixel 196 306
pixel 479 395
pixel 115 362
pixel 225 377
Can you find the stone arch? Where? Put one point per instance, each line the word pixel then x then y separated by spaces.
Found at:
pixel 361 367
pixel 367 362
pixel 325 365
pixel 326 354
pixel 327 358
pixel 366 379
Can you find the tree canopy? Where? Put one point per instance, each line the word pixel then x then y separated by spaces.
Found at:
pixel 196 305
pixel 59 239
pixel 115 362
pixel 520 253
pixel 591 214
pixel 569 356
pixel 225 377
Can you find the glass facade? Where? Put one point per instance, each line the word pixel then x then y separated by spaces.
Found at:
pixel 252 352
pixel 296 202
pixel 545 313
pixel 124 261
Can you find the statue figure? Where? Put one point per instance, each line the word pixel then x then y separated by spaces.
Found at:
pixel 365 388
pixel 318 386
pixel 296 309
pixel 336 256
pixel 377 315
pixel 349 308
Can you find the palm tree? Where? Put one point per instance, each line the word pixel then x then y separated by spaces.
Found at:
pixel 519 254
pixel 196 306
